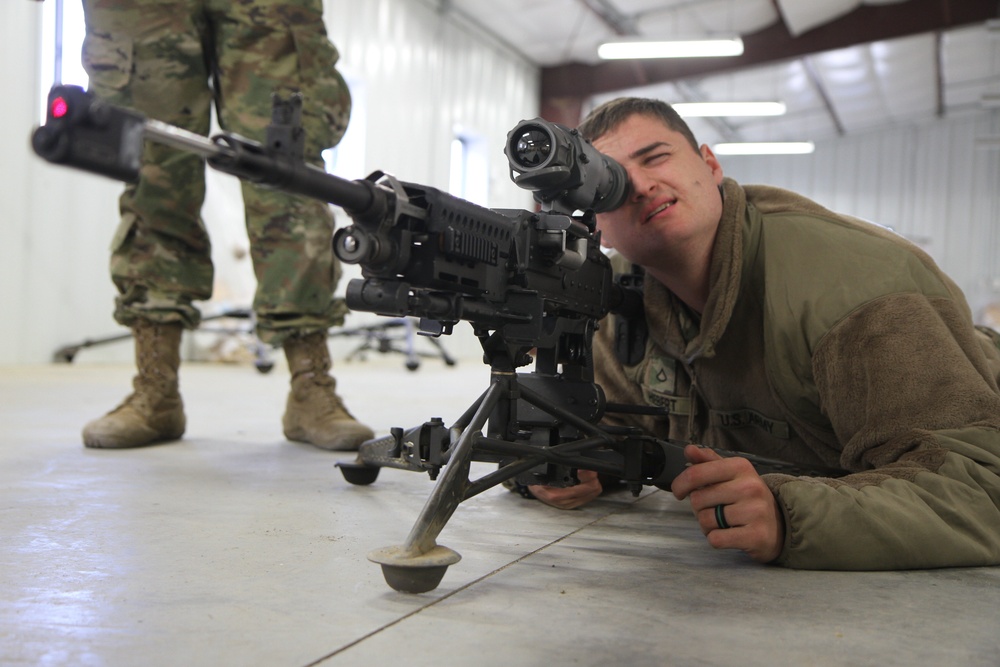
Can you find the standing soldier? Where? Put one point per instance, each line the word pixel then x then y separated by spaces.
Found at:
pixel 171 59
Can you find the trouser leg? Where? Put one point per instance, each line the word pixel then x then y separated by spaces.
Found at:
pixel 150 55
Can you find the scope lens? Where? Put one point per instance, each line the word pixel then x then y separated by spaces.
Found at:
pixel 533 147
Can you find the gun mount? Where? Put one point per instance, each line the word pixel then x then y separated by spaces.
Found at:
pixel 533 285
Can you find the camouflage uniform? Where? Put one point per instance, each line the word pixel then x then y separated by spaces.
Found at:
pixel 170 59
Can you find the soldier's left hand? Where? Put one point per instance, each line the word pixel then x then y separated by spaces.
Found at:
pixel 570 497
pixel 749 509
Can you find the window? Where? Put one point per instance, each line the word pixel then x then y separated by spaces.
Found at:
pixel 347 159
pixel 63 30
pixel 469 177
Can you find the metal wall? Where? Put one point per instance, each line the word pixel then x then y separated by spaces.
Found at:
pixel 422 79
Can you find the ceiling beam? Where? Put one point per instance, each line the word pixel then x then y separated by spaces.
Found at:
pixel 617 22
pixel 824 95
pixel 868 23
pixel 939 74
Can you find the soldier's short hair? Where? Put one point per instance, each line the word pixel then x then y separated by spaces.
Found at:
pixel 610 115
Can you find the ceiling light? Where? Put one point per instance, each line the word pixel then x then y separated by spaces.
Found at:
pixel 765 148
pixel 700 109
pixel 703 48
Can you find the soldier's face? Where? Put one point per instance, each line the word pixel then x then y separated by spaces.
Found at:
pixel 674 202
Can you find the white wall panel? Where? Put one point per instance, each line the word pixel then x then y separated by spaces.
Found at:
pixel 932 183
pixel 56 225
pixel 419 73
pixel 423 77
pixel 16 18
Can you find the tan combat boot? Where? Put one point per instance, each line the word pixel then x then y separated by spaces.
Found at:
pixel 153 412
pixel 314 413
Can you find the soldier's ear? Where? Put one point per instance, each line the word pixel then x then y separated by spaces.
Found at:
pixel 605 243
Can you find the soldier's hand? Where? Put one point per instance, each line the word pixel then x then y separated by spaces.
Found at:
pixel 755 522
pixel 569 497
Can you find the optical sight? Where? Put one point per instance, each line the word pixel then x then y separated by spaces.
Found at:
pixel 562 169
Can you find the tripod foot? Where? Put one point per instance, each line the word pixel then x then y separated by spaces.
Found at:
pixel 64 355
pixel 358 474
pixel 414 573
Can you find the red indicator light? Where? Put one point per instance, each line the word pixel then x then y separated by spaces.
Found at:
pixel 59 107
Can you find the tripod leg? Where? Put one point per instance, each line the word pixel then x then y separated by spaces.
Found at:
pixel 420 563
pixel 262 353
pixel 447 358
pixel 412 363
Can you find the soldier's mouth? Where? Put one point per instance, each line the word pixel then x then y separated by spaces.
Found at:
pixel 659 209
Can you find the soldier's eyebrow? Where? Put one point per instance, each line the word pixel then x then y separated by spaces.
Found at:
pixel 648 149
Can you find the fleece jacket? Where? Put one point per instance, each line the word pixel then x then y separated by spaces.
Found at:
pixel 829 341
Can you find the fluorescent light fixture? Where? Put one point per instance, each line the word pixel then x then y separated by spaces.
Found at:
pixel 703 48
pixel 765 148
pixel 701 109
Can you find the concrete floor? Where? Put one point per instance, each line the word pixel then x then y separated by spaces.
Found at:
pixel 236 547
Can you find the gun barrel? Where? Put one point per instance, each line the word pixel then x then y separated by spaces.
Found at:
pixel 250 161
pixel 178 137
pixel 87 133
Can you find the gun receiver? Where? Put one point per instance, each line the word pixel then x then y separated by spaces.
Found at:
pixel 533 285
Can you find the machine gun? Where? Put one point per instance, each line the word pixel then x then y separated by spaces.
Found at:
pixel 533 285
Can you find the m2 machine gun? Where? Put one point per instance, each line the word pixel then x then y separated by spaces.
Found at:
pixel 533 285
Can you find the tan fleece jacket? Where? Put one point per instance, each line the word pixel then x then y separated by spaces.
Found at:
pixel 828 341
